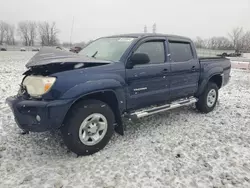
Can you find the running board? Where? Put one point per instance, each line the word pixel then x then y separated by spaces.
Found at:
pixel 154 110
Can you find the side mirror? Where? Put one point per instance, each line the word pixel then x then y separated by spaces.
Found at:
pixel 138 59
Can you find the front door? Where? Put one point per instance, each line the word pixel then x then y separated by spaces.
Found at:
pixel 148 84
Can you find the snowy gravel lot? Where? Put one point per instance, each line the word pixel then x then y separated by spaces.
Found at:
pixel 179 148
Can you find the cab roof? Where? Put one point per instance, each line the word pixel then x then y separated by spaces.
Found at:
pixel 140 35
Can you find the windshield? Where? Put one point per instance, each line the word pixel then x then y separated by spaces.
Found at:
pixel 107 48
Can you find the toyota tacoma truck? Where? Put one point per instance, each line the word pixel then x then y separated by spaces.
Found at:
pixel 87 95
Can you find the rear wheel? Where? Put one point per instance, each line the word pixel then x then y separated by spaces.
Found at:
pixel 208 99
pixel 89 127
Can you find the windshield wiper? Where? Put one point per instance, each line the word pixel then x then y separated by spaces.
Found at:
pixel 94 54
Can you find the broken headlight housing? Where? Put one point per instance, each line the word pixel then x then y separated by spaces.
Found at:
pixel 38 85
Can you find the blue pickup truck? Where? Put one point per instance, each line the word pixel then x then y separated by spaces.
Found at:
pixel 86 95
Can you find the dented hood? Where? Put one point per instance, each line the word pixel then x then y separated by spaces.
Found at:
pixel 49 55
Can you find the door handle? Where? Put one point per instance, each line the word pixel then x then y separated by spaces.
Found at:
pixel 193 68
pixel 165 70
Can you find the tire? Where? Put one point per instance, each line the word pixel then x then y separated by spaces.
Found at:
pixel 203 104
pixel 224 54
pixel 86 114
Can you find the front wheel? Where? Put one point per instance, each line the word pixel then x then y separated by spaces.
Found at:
pixel 88 127
pixel 208 99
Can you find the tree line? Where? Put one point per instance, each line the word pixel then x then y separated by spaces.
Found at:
pixel 46 34
pixel 29 32
pixel 7 33
pixel 237 40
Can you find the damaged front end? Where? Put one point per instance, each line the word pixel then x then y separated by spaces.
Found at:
pixel 37 106
pixel 51 60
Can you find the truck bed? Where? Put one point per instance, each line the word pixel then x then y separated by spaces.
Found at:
pixel 211 58
pixel 210 62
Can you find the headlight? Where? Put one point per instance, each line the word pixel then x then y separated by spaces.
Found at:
pixel 38 85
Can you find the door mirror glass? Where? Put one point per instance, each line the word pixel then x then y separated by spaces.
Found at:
pixel 139 58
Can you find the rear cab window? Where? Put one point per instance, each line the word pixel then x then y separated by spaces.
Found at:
pixel 180 51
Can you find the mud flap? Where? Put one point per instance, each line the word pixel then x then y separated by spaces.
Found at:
pixel 119 128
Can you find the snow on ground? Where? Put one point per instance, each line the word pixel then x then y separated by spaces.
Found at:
pixel 179 148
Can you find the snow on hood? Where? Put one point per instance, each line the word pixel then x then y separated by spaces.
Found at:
pixel 50 55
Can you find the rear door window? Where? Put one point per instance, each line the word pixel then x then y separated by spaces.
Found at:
pixel 180 51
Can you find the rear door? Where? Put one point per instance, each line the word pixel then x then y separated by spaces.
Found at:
pixel 148 84
pixel 185 69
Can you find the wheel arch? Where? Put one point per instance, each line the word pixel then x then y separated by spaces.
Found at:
pixel 216 78
pixel 110 97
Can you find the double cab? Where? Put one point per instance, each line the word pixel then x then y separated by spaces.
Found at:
pixel 86 95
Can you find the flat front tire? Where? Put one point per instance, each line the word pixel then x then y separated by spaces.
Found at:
pixel 208 99
pixel 88 127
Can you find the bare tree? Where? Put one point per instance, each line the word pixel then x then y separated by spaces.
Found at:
pixel 7 33
pixel 48 34
pixel 10 34
pixel 246 41
pixel 53 34
pixel 2 31
pixel 43 30
pixel 224 43
pixel 28 32
pixel 23 31
pixel 212 43
pixel 199 42
pixel 219 43
pixel 32 32
pixel 236 38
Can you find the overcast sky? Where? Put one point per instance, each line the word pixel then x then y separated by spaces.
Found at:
pixel 95 18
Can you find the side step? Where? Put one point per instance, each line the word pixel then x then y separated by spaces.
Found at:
pixel 154 110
